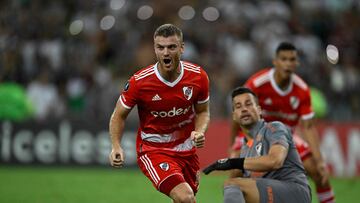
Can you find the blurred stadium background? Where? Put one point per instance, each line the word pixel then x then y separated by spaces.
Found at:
pixel 64 62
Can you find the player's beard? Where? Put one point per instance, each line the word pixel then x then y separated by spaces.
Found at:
pixel 247 122
pixel 286 73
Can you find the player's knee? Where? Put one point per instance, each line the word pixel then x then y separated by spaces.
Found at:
pixel 187 199
pixel 182 193
pixel 231 182
pixel 315 175
pixel 245 185
pixel 310 168
pixel 317 178
pixel 184 197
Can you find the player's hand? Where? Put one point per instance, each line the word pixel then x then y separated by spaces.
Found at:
pixel 221 164
pixel 117 157
pixel 323 171
pixel 198 139
pixel 225 164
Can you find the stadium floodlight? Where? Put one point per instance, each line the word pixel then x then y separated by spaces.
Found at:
pixel 186 12
pixel 76 27
pixel 332 54
pixel 117 4
pixel 107 22
pixel 211 14
pixel 145 12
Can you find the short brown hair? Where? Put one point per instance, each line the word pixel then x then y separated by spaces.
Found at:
pixel 168 30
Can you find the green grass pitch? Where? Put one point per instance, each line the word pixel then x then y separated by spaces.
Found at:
pixel 107 185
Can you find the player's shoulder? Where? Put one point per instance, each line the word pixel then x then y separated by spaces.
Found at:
pixel 276 126
pixel 144 72
pixel 277 130
pixel 192 67
pixel 260 78
pixel 300 83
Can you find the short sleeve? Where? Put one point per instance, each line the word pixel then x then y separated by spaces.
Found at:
pixel 250 84
pixel 305 110
pixel 204 94
pixel 128 97
pixel 278 134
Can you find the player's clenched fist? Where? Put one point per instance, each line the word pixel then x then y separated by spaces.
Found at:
pixel 117 158
pixel 198 139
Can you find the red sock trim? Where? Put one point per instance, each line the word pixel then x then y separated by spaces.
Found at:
pixel 331 199
pixel 324 189
pixel 325 195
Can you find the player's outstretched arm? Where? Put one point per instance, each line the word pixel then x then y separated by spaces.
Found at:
pixel 272 161
pixel 116 128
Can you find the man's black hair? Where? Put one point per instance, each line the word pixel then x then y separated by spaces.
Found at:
pixel 168 30
pixel 242 90
pixel 285 46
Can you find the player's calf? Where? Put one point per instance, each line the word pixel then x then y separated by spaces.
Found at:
pixel 324 190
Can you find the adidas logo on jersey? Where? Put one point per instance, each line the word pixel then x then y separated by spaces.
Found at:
pixel 156 98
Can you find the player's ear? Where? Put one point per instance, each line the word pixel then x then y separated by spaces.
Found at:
pixel 234 116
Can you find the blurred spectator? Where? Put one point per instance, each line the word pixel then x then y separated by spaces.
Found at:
pixel 44 97
pixel 92 48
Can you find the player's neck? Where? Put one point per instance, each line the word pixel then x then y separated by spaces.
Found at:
pixel 246 130
pixel 282 83
pixel 169 75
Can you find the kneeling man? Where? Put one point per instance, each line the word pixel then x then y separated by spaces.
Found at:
pixel 269 164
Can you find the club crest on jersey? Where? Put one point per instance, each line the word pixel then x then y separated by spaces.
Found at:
pixel 268 101
pixel 164 166
pixel 258 148
pixel 294 102
pixel 188 91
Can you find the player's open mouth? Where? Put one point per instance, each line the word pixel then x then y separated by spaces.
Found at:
pixel 289 72
pixel 246 116
pixel 167 62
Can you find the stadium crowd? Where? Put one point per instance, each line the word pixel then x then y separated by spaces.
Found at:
pixel 73 57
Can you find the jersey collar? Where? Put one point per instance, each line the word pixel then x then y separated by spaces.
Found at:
pixel 276 87
pixel 170 84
